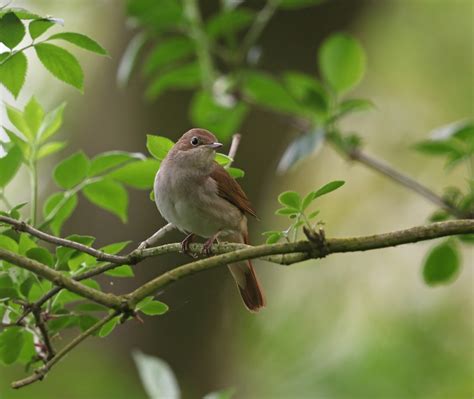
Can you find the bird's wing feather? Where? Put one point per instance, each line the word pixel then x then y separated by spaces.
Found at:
pixel 230 190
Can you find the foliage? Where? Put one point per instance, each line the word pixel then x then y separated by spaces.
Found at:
pixel 160 382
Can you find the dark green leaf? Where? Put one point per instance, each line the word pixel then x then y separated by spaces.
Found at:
pixel 291 199
pixel 12 30
pixel 154 308
pixel 139 174
pixel 308 91
pixel 11 344
pixel 167 14
pixel 9 165
pixel 293 4
pixel 156 376
pixel 168 52
pixel 109 327
pixel 223 121
pixel 7 286
pixel 61 63
pixel 183 77
pixel 300 148
pixel 121 271
pixel 342 61
pixel 39 26
pixel 63 212
pixel 42 255
pixel 158 146
pixel 268 92
pixel 72 171
pixel 13 72
pixel 327 188
pixel 112 159
pixel 109 195
pixel 229 22
pixel 20 13
pixel 441 265
pixel 81 41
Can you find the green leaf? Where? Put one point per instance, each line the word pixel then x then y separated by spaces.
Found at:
pixel 109 195
pixel 273 236
pixel 307 200
pixel 108 327
pixel 63 213
pixel 25 243
pixel 129 58
pixel 39 26
pixel 437 147
pixel 20 13
pixel 8 243
pixel 308 91
pixel 286 212
pixel 139 174
pixel 353 105
pixel 15 139
pixel 33 115
pixel 81 41
pixel 223 121
pixel 16 117
pixel 50 148
pixel 182 77
pixel 9 165
pixel 12 30
pixel 342 62
pixel 61 63
pixel 112 159
pixel 441 265
pixel 291 199
pixel 312 215
pixel 222 159
pixel 169 14
pixel 157 377
pixel 121 271
pixel 230 22
pixel 51 123
pixel 236 173
pixel 11 344
pixel 301 148
pixel 7 286
pixel 42 255
pixel 13 72
pixel 327 188
pixel 71 171
pixel 115 248
pixel 158 146
pixel 294 4
pixel 268 92
pixel 154 308
pixel 168 52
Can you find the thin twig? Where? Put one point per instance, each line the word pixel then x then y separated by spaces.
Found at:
pixel 50 353
pixel 40 373
pixel 406 181
pixel 99 255
pixel 234 146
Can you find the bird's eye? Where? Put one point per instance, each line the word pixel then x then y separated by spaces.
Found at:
pixel 194 141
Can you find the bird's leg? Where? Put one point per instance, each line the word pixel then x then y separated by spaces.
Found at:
pixel 207 246
pixel 185 243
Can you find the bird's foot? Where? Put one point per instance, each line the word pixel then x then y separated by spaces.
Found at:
pixel 207 246
pixel 185 245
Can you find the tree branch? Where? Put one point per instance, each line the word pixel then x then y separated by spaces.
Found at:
pixel 60 280
pixel 406 181
pixel 40 373
pixel 305 250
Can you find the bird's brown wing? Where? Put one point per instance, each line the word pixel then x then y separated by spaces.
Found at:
pixel 230 190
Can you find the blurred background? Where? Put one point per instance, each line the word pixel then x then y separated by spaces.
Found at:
pixel 361 325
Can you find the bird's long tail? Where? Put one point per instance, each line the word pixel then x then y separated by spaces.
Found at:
pixel 246 279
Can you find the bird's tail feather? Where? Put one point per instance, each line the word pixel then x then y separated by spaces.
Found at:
pixel 247 281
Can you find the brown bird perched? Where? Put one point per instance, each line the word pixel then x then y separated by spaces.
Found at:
pixel 199 197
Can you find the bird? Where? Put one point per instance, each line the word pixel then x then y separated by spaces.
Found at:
pixel 200 198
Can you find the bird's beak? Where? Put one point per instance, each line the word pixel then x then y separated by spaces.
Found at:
pixel 214 146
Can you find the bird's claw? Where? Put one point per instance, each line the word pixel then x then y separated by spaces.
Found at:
pixel 185 245
pixel 207 246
